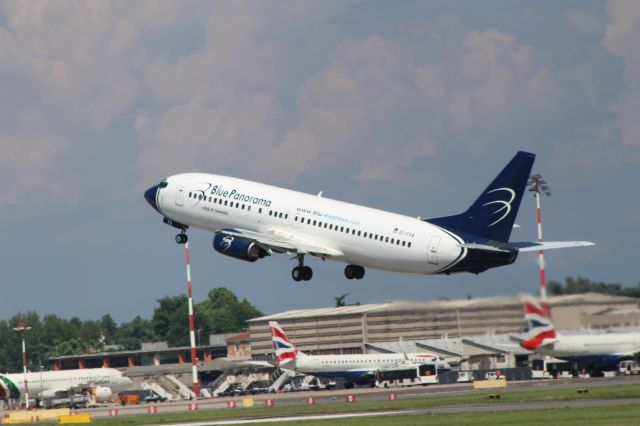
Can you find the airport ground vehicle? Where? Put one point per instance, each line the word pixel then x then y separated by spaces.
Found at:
pixel 407 376
pixel 465 377
pixel 131 397
pixel 629 367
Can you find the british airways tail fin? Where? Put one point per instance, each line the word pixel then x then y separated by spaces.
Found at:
pixel 284 349
pixel 541 331
pixel 493 214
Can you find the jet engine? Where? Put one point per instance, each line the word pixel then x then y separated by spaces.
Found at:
pixel 101 393
pixel 240 248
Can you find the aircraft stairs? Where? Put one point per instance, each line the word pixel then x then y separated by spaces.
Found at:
pixel 155 387
pixel 181 388
pixel 168 386
pixel 223 383
pixel 280 377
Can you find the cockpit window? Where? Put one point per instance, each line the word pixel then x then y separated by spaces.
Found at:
pixel 163 184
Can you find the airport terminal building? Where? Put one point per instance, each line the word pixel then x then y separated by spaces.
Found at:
pixel 372 328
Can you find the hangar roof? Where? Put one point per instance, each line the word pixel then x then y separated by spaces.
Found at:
pixel 479 303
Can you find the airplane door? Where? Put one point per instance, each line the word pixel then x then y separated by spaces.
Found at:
pixel 180 192
pixel 432 251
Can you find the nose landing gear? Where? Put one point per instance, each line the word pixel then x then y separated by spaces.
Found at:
pixel 182 237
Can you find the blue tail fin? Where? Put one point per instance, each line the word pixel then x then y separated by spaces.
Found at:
pixel 492 215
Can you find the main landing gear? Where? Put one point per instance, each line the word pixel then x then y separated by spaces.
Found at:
pixel 354 272
pixel 182 238
pixel 301 272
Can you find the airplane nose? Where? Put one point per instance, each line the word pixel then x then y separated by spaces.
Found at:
pixel 150 196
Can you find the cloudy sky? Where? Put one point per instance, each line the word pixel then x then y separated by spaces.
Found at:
pixel 407 106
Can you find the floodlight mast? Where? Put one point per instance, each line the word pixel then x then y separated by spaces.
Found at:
pixel 537 185
pixel 22 329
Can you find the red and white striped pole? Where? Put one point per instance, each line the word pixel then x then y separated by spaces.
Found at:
pixel 192 332
pixel 543 285
pixel 22 328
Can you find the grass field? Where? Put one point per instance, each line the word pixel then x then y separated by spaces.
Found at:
pixel 614 415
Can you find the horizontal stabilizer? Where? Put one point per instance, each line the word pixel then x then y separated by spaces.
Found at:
pixel 548 245
pixel 485 247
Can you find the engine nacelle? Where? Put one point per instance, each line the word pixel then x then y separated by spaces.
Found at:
pixel 240 248
pixel 101 393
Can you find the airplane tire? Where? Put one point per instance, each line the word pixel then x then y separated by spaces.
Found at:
pixel 354 272
pixel 307 273
pixel 181 238
pixel 297 273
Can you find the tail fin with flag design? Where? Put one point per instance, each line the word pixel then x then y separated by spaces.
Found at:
pixel 541 331
pixel 284 349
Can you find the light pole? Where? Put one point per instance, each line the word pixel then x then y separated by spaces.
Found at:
pixel 22 328
pixel 537 185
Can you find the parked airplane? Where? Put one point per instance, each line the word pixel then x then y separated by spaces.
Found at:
pixel 356 368
pixel 49 385
pixel 252 220
pixel 601 349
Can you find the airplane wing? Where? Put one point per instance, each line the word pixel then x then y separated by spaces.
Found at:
pixel 279 241
pixel 548 245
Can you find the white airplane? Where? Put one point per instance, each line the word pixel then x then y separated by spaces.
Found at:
pixel 251 220
pixel 601 349
pixel 356 368
pixel 49 385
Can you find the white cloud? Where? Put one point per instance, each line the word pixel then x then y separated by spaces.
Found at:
pixel 623 33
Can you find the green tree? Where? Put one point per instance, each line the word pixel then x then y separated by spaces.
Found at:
pixel 171 320
pixel 222 312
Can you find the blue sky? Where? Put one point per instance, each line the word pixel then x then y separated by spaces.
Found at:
pixel 411 107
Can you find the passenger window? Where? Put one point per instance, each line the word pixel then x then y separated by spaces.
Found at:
pixel 320 224
pixel 342 229
pixel 243 207
pixel 259 209
pixel 397 242
pixel 308 221
pixel 358 233
pixel 325 225
pixel 280 215
pixel 225 202
pixel 347 230
pixel 209 199
pixel 392 241
pixel 365 235
pixel 386 239
pixel 237 205
pixel 286 216
pixel 330 226
pixel 189 195
pixel 248 208
pixel 270 212
pixel 353 232
pixel 314 223
pixel 403 243
pixel 409 244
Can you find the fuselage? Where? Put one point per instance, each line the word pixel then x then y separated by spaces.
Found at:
pixel 595 348
pixel 362 366
pixel 363 236
pixel 43 385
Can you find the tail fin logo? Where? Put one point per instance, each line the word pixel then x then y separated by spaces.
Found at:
pixel 285 351
pixel 541 331
pixel 505 205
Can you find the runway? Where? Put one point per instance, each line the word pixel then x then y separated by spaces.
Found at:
pixel 339 396
pixel 438 410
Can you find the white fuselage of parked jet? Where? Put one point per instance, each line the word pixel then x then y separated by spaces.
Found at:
pixel 345 232
pixel 585 345
pixel 53 384
pixel 361 366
